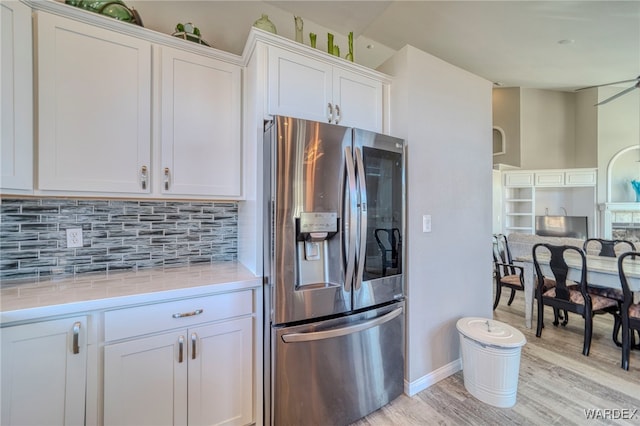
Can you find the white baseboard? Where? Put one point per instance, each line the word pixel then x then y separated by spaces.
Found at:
pixel 412 388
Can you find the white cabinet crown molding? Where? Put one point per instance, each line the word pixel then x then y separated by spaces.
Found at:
pixel 106 22
pixel 257 35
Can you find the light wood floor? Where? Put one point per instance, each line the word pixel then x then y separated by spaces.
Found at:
pixel 556 382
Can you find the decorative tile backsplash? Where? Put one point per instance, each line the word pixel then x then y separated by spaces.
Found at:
pixel 117 235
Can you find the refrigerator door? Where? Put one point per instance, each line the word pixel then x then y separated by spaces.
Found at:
pixel 381 181
pixel 336 371
pixel 312 227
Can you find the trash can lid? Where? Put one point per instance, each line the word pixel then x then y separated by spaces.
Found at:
pixel 491 332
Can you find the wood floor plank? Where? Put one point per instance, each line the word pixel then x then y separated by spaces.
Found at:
pixel 557 384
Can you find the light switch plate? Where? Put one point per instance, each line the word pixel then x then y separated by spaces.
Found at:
pixel 426 223
pixel 74 237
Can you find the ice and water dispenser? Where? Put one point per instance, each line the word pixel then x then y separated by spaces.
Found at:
pixel 316 247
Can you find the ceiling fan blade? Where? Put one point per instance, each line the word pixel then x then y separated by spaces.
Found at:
pixel 617 95
pixel 608 84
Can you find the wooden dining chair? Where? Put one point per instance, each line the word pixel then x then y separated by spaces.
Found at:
pixel 506 274
pixel 629 312
pixel 571 296
pixel 608 248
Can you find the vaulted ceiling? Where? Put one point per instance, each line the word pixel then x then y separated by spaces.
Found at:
pixel 556 44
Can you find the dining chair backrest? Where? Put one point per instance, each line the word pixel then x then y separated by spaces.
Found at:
pixel 629 312
pixel 607 247
pixel 628 294
pixel 569 296
pixel 502 254
pixel 560 270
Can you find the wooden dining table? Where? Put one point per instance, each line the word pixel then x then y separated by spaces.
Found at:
pixel 601 271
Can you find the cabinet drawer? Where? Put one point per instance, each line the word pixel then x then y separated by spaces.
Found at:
pixel 518 179
pixel 580 178
pixel 129 322
pixel 550 179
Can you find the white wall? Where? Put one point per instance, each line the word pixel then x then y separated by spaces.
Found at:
pixel 618 128
pixel 506 115
pixel 547 129
pixel 444 113
pixel 586 124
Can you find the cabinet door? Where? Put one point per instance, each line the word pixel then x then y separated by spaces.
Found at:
pixel 358 100
pixel 200 125
pixel 299 86
pixel 17 100
pixel 94 108
pixel 44 371
pixel 221 373
pixel 145 381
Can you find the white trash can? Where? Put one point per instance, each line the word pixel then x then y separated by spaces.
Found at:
pixel 490 359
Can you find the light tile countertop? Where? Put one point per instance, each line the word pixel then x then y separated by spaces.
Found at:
pixel 23 300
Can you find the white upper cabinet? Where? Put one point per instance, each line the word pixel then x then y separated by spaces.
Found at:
pixel 94 103
pixel 550 178
pixel 111 94
pixel 299 86
pixel 17 99
pixel 359 100
pixel 201 122
pixel 518 179
pixel 305 87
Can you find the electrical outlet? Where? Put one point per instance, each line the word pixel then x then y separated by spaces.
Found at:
pixel 74 237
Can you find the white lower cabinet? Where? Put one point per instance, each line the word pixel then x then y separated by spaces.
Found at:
pixel 201 374
pixel 44 372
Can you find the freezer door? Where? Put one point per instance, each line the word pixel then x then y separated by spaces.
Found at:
pixel 337 371
pixel 381 183
pixel 311 224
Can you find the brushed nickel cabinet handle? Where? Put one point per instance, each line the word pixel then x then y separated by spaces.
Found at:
pixel 167 178
pixel 144 176
pixel 76 337
pixel 330 116
pixel 180 348
pixel 338 116
pixel 194 339
pixel 188 314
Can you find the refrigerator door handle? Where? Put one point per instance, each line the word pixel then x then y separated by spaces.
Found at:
pixel 350 210
pixel 341 331
pixel 362 186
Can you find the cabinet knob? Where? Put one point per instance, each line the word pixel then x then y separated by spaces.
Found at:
pixel 338 116
pixel 330 115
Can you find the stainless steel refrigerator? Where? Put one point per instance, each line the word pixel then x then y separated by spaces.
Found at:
pixel 334 273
